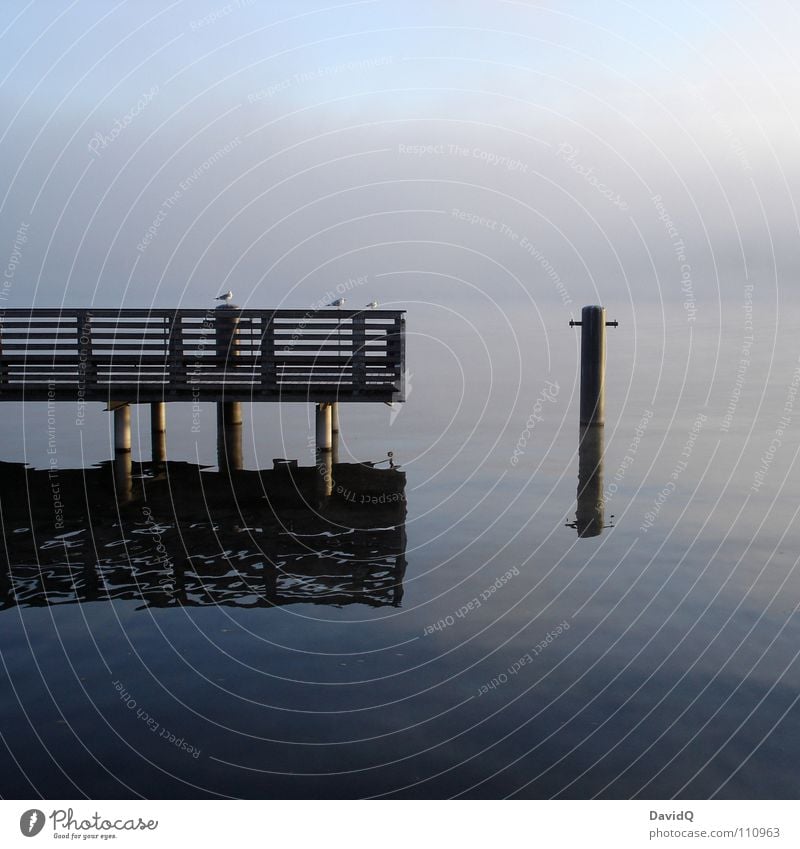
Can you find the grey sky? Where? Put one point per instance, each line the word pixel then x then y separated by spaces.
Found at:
pixel 449 152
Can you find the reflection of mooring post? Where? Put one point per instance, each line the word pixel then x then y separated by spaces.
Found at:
pixel 590 516
pixel 593 363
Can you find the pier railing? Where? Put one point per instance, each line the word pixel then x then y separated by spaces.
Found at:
pixel 224 354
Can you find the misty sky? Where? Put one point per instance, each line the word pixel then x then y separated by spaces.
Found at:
pixel 457 155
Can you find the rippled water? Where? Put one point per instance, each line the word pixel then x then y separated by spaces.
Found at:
pixel 487 635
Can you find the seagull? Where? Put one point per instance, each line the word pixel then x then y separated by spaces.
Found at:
pixel 338 303
pixel 226 297
pixel 372 305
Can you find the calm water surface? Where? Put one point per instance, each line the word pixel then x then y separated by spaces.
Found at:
pixel 486 634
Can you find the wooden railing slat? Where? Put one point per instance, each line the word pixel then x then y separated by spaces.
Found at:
pixel 172 354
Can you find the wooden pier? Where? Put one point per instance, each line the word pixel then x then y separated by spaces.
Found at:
pixel 225 355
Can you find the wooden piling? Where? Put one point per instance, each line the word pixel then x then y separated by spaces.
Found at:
pixel 229 413
pixel 158 431
pixel 122 429
pixel 324 432
pixel 230 455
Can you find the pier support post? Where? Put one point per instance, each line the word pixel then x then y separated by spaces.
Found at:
pixel 335 417
pixel 158 431
pixel 229 436
pixel 229 413
pixel 122 429
pixel 229 449
pixel 324 432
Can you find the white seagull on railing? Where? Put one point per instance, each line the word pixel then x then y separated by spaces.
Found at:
pixel 372 305
pixel 338 303
pixel 226 297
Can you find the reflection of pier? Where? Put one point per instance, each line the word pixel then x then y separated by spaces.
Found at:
pixel 180 535
pixel 590 515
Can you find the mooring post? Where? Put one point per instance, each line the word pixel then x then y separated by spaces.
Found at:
pixel 593 363
pixel 324 432
pixel 122 429
pixel 158 431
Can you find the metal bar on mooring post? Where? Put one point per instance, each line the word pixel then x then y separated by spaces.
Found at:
pixel 593 363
